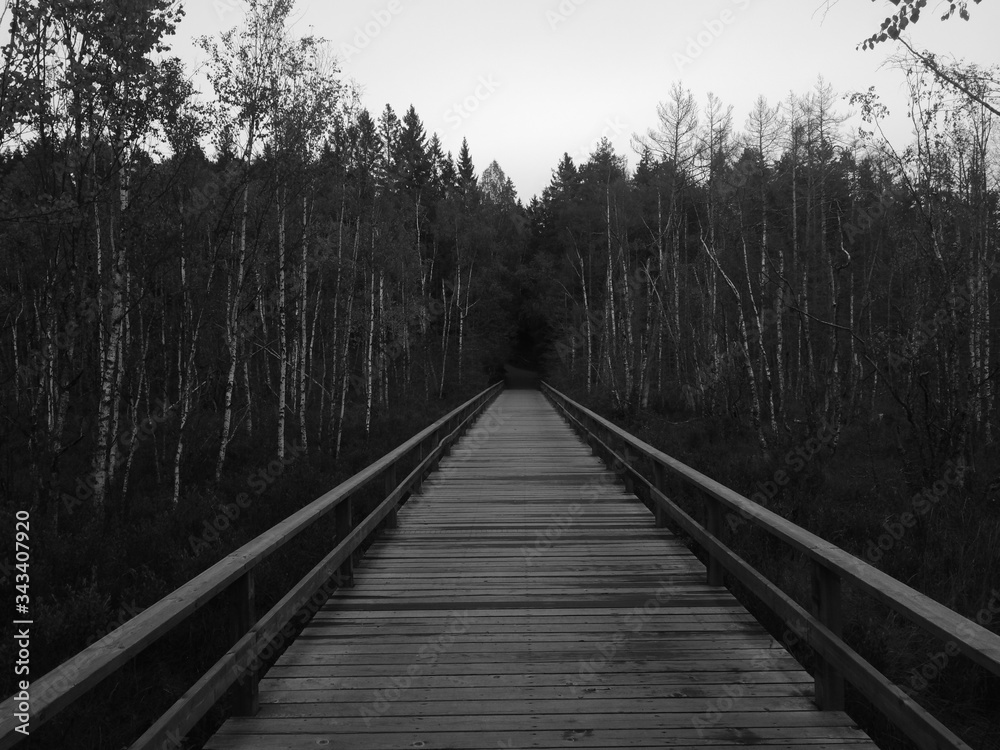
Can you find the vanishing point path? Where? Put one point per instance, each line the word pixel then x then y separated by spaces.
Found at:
pixel 526 600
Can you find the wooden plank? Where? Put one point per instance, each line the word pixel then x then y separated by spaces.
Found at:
pixel 975 641
pixel 69 681
pixel 526 598
pixel 920 726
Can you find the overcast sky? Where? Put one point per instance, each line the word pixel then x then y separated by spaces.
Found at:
pixel 526 80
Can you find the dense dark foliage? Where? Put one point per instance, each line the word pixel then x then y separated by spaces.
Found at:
pixel 195 288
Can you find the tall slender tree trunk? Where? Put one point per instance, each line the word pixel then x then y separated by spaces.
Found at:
pixel 755 410
pixel 282 332
pixel 369 349
pixel 345 368
pixel 234 288
pixel 112 321
pixel 445 335
pixel 304 327
pixel 765 368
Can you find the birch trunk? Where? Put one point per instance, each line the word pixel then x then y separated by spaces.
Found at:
pixel 233 293
pixel 107 403
pixel 759 320
pixel 303 327
pixel 369 350
pixel 755 411
pixel 282 332
pixel 345 378
pixel 445 335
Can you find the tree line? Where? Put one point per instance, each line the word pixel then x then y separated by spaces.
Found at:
pixel 319 268
pixel 788 271
pixel 193 276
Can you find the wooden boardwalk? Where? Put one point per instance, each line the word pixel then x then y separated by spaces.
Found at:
pixel 527 601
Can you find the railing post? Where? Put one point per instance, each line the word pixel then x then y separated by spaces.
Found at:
pixel 713 523
pixel 418 487
pixel 660 484
pixel 435 443
pixel 344 523
pixel 826 607
pixel 243 616
pixel 391 521
pixel 626 474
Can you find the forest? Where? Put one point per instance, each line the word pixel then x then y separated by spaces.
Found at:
pixel 197 285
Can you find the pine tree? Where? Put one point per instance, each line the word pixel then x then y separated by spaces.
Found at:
pixel 389 129
pixel 467 181
pixel 413 160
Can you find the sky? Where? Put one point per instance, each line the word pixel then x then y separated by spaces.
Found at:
pixel 528 80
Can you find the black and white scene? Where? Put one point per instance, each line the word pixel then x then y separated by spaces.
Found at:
pixel 481 374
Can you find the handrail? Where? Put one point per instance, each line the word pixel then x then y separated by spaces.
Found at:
pixel 234 574
pixel 831 565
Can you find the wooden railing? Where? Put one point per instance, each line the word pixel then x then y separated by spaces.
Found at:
pixel 830 567
pixel 233 577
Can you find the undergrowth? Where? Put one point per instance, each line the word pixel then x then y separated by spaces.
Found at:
pixel 856 496
pixel 91 578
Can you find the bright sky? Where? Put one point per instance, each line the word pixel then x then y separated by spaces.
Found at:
pixel 526 80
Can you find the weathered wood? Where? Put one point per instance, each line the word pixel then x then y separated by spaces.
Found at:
pixel 713 524
pixel 975 641
pixel 389 479
pixel 659 483
pixel 239 663
pixel 826 607
pixel 923 729
pixel 66 683
pixel 343 525
pixel 526 595
pixel 244 615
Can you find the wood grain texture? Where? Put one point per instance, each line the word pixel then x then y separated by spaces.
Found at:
pixel 975 641
pixel 527 600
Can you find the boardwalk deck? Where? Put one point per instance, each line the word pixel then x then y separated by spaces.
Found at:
pixel 527 601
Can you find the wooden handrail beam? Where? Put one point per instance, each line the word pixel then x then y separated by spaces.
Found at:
pixel 831 566
pixel 975 641
pixel 72 679
pixel 240 660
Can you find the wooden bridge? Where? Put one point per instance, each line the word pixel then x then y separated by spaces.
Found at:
pixel 525 596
